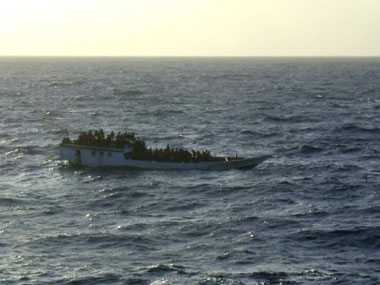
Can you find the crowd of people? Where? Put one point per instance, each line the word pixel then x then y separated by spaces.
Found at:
pixel 139 150
pixel 99 139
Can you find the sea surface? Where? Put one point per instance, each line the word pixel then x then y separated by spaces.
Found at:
pixel 310 214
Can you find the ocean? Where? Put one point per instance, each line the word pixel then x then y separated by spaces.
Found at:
pixel 310 214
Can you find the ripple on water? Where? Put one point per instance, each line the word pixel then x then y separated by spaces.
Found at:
pixel 307 215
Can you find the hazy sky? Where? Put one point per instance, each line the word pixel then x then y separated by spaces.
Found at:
pixel 190 27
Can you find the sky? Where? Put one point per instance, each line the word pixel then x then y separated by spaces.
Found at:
pixel 189 27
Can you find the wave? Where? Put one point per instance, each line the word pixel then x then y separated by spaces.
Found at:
pixel 287 118
pixel 351 127
pixel 250 219
pixel 349 149
pixel 61 131
pixel 360 237
pixel 348 167
pixel 263 277
pixel 105 278
pixel 166 268
pixel 11 202
pixel 27 150
pixel 56 84
pixel 111 198
pixel 267 275
pixel 377 105
pixel 183 207
pixel 257 133
pixel 369 90
pixel 273 118
pixel 127 92
pixel 303 149
pixel 103 241
pixel 372 210
pixel 309 149
pixel 312 215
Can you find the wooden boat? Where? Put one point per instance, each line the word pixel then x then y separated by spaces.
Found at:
pixel 116 157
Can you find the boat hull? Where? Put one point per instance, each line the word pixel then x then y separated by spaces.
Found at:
pixel 107 157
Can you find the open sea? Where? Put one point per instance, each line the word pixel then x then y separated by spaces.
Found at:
pixel 310 214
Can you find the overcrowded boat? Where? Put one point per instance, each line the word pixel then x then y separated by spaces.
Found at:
pixel 95 149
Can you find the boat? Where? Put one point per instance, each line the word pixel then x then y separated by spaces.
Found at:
pixel 113 157
pixel 94 149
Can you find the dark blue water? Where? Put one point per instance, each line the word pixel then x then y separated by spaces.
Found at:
pixel 308 215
